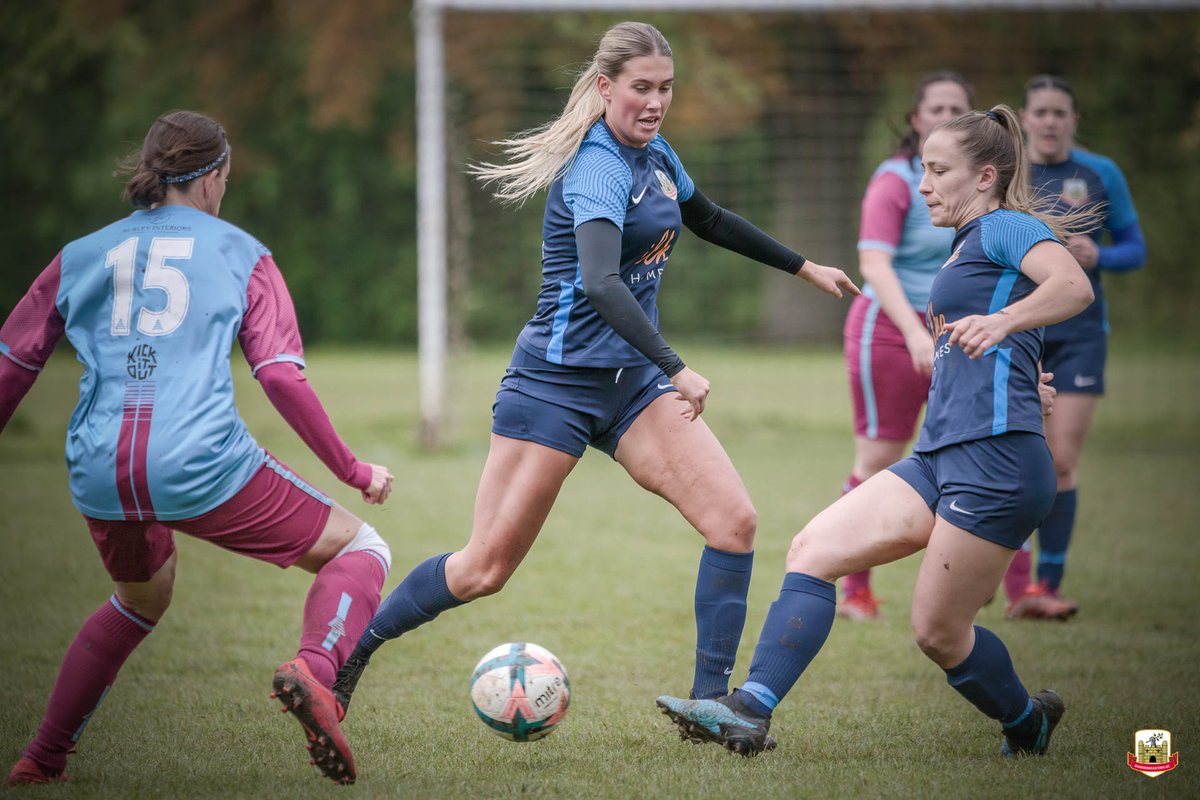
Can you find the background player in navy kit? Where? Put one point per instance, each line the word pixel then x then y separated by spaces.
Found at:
pixel 980 478
pixel 590 368
pixel 152 304
pixel 889 353
pixel 1071 179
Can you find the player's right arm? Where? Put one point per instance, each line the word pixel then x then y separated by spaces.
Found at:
pixel 884 207
pixel 28 338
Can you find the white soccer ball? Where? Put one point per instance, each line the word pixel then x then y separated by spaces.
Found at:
pixel 520 691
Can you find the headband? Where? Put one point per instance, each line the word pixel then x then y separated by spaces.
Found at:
pixel 196 173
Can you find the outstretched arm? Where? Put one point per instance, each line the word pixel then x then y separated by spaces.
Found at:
pixel 28 338
pixel 722 227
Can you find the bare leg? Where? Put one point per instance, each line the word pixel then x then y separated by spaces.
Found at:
pixel 958 573
pixel 870 456
pixel 520 483
pixel 682 462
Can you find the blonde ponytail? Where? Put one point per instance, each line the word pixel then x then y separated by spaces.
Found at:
pixel 537 156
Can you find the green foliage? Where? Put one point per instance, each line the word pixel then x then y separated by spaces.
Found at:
pixel 608 588
pixel 780 117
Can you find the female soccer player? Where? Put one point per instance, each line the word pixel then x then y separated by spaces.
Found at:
pixel 591 368
pixel 152 305
pixel 1071 178
pixel 889 354
pixel 980 478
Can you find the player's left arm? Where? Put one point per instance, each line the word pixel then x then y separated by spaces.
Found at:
pixel 28 337
pixel 722 227
pixel 1063 290
pixel 270 340
pixel 1127 250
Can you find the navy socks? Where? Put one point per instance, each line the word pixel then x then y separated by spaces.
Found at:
pixel 421 596
pixel 721 587
pixel 796 628
pixel 987 679
pixel 1054 536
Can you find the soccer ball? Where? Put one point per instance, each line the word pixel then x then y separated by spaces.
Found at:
pixel 520 691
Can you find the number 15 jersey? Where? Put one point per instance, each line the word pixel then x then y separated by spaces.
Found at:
pixel 152 304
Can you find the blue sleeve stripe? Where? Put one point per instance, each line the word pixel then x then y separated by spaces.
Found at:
pixel 281 357
pixel 597 186
pixel 864 368
pixel 1000 390
pixel 1006 236
pixel 1004 287
pixel 562 315
pixel 874 244
pixel 6 351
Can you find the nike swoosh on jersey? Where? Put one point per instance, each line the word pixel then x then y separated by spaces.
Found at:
pixel 664 386
pixel 638 197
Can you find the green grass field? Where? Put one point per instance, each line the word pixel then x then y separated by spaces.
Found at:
pixel 608 589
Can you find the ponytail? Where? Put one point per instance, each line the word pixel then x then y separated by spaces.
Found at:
pixel 994 137
pixel 537 156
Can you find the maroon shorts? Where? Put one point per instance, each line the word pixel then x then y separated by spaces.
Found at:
pixel 888 393
pixel 276 517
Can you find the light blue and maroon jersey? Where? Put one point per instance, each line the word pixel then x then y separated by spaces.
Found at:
pixel 895 220
pixel 998 392
pixel 152 304
pixel 1086 179
pixel 639 190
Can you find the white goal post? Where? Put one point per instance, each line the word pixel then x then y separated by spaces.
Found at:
pixel 431 133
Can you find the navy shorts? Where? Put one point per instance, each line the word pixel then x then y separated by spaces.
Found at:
pixel 999 488
pixel 1078 366
pixel 569 408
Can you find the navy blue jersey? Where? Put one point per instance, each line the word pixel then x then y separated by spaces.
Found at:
pixel 1082 181
pixel 996 393
pixel 639 190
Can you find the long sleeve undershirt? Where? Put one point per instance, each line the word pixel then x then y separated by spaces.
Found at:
pixel 294 399
pixel 598 242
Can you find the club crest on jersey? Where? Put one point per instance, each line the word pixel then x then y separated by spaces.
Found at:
pixel 141 361
pixel 1154 756
pixel 1074 191
pixel 666 184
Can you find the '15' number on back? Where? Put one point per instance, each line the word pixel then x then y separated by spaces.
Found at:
pixel 123 258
